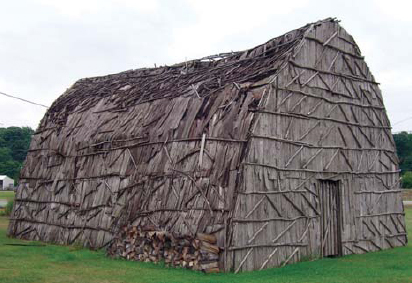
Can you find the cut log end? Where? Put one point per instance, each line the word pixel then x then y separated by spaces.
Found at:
pixel 142 244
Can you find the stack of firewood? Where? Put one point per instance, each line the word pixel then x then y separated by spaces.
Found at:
pixel 199 252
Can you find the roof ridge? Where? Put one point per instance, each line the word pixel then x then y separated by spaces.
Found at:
pixel 200 76
pixel 222 55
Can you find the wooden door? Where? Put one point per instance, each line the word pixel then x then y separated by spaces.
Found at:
pixel 330 218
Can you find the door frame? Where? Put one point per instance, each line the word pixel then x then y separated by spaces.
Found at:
pixel 338 197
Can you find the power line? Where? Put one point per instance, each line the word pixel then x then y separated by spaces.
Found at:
pixel 401 121
pixel 42 105
pixel 22 99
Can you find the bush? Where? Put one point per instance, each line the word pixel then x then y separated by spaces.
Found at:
pixel 407 180
pixel 9 208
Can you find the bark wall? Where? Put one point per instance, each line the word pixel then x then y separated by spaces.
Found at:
pixel 323 118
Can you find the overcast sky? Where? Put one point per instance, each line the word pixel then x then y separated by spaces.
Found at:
pixel 46 45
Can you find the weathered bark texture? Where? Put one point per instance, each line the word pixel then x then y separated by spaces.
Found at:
pixel 279 152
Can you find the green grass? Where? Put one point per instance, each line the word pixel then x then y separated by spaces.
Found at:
pixel 7 195
pixel 53 263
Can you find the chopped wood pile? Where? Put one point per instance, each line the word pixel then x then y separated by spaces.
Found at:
pixel 198 253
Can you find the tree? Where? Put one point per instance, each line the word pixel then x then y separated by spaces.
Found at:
pixel 17 140
pixel 403 143
pixel 14 143
pixel 407 180
pixel 5 154
pixel 11 168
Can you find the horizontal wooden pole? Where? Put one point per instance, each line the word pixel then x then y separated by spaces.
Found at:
pixel 378 192
pixel 245 220
pixel 81 227
pixel 74 179
pixel 233 248
pixel 305 93
pixel 395 235
pixel 334 47
pixel 217 139
pixel 346 76
pixel 367 239
pixel 150 175
pixel 69 204
pixel 146 212
pixel 273 192
pixel 140 144
pixel 112 141
pixel 316 171
pixel 308 145
pixel 381 214
pixel 307 117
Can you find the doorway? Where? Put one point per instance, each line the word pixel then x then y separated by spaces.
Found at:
pixel 331 216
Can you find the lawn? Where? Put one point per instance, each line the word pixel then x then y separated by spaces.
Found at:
pixel 51 263
pixel 7 195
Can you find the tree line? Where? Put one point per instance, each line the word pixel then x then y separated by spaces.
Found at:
pixel 403 141
pixel 15 141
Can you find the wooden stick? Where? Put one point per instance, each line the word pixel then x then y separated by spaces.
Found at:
pixel 272 192
pixel 244 259
pixel 311 158
pixel 317 171
pixel 255 207
pixel 331 160
pixel 349 77
pixel 131 157
pixel 61 225
pixel 242 220
pixel 342 102
pixel 334 47
pixel 381 214
pixel 284 231
pixel 268 259
pixel 361 248
pixel 257 232
pixel 202 147
pixel 288 128
pixel 198 189
pixel 378 192
pixel 307 117
pixel 290 257
pixel 293 156
pixel 268 246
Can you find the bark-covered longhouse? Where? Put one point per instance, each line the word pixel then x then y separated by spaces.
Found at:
pixel 239 161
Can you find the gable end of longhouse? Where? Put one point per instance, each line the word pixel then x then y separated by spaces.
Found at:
pixel 321 175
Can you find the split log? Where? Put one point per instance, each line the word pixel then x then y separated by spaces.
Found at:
pixel 141 244
pixel 206 238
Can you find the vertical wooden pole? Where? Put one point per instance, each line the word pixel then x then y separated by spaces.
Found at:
pixel 225 246
pixel 202 148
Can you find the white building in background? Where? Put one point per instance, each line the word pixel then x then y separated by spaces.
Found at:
pixel 6 183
